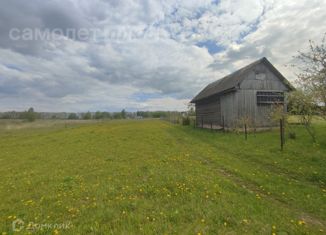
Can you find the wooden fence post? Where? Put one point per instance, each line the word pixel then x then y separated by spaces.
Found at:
pixel 202 123
pixel 283 130
pixel 246 131
pixel 254 129
pixel 281 134
pixel 211 125
pixel 223 124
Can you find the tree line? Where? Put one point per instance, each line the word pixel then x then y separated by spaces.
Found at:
pixel 31 115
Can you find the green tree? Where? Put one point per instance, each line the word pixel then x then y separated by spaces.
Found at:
pixel 87 116
pixel 29 115
pixel 303 105
pixel 107 115
pixel 312 76
pixel 72 116
pixel 191 109
pixel 123 114
pixel 98 115
pixel 117 115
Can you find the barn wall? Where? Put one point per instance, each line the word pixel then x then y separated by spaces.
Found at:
pixel 271 81
pixel 255 115
pixel 229 108
pixel 242 104
pixel 208 112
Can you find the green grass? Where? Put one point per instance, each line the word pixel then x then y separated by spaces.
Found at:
pixel 152 177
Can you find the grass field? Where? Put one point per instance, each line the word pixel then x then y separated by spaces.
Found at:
pixel 152 177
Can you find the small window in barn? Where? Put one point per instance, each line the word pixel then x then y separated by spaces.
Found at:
pixel 260 76
pixel 270 97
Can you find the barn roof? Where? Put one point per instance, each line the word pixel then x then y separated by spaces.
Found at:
pixel 231 81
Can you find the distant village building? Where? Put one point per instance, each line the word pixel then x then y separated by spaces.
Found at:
pixel 249 94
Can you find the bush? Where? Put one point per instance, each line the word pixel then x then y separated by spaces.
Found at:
pixel 317 178
pixel 292 135
pixel 185 121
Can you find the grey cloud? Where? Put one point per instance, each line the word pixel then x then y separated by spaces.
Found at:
pixel 37 14
pixel 63 17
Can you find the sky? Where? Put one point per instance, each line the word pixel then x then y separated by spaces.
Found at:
pixel 109 55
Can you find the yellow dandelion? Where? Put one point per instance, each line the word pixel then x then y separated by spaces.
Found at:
pixel 55 232
pixel 301 222
pixel 202 220
pixel 274 227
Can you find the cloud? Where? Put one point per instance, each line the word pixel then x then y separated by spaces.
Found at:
pixel 37 14
pixel 283 30
pixel 167 49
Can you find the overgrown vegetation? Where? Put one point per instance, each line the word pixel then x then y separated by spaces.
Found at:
pixel 310 97
pixel 29 115
pixel 312 78
pixel 302 105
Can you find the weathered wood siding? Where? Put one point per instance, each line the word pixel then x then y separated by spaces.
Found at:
pixel 209 112
pixel 242 104
pixel 229 108
pixel 271 81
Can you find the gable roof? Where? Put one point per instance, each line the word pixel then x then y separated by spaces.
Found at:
pixel 231 81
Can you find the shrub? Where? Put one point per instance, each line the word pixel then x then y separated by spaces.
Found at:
pixel 185 121
pixel 317 178
pixel 292 135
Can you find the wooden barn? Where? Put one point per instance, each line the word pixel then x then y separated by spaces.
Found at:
pixel 248 94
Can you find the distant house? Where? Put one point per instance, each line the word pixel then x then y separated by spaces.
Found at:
pixel 249 93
